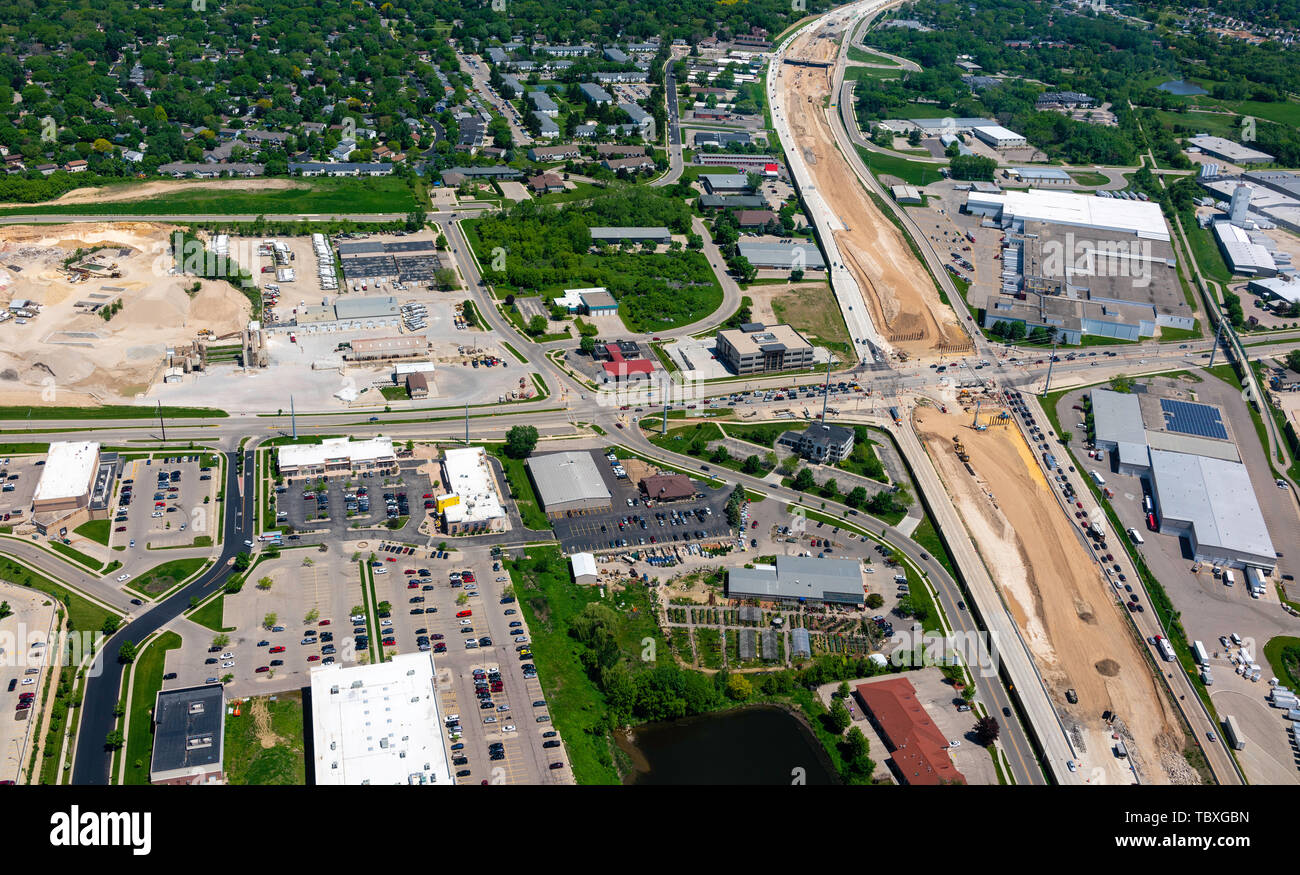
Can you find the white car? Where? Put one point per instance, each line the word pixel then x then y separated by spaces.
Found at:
pixel 27 682
pixel 521 639
pixel 227 656
pixel 1071 766
pixel 122 577
pixel 466 621
pixel 156 514
pixel 381 571
pixel 229 663
pixel 509 727
pixel 248 543
pixel 385 622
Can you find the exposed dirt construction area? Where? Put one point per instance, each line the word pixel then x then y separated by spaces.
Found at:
pixel 904 303
pixel 1075 630
pixel 68 353
pixel 140 191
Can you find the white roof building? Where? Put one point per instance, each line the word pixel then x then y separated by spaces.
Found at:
pixel 584 568
pixel 68 473
pixel 470 480
pixel 335 452
pixel 1141 218
pixel 378 724
pixel 1243 254
pixel 1213 503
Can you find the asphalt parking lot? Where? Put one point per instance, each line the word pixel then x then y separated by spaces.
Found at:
pixel 171 512
pixel 335 519
pixel 630 522
pixel 24 668
pixel 525 760
pixel 20 475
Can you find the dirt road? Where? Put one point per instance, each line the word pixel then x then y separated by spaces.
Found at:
pixel 1071 622
pixel 901 296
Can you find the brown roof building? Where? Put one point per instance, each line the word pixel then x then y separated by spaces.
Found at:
pixel 417 385
pixel 754 218
pixel 918 749
pixel 667 487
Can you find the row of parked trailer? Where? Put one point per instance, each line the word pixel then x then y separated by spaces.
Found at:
pixel 329 278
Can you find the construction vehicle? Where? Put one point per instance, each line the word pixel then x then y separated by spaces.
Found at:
pixel 960 449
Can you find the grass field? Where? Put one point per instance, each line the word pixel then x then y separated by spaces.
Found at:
pixel 814 313
pixel 82 614
pixel 325 196
pixel 248 759
pixel 96 530
pixel 76 555
pixel 521 488
pixel 867 57
pixel 1206 252
pixel 550 601
pixel 912 172
pixel 1088 177
pixel 144 691
pixel 212 615
pixel 161 578
pixel 118 411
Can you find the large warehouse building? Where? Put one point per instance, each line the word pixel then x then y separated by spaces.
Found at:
pixel 378 724
pixel 67 477
pixel 188 736
pixel 802 579
pixel 472 503
pixel 1212 503
pixel 569 481
pixel 336 456
pixel 1119 429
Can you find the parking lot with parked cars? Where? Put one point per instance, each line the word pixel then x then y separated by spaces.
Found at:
pixel 458 609
pixel 334 508
pixel 24 654
pixel 633 521
pixel 166 501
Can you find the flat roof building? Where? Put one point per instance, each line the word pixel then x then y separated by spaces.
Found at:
pixel 188 736
pixel 632 234
pixel 783 256
pixel 755 348
pixel 378 724
pixel 1143 219
pixel 67 477
pixel 473 503
pixel 388 348
pixel 568 481
pixel 799 579
pixel 1213 504
pixel 1117 417
pixel 724 183
pixel 999 137
pixel 336 456
pixel 598 302
pixel 363 307
pixel 1242 254
pixel 1227 150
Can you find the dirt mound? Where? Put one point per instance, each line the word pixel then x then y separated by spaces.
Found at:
pixel 1108 668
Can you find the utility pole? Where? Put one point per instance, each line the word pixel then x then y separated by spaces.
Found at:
pixel 466 423
pixel 830 360
pixel 293 419
pixel 1051 360
pixel 1214 350
pixel 161 423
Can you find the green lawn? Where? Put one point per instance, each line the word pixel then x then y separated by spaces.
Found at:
pixel 82 614
pixel 161 578
pixel 814 312
pixel 521 489
pixel 868 57
pixel 912 172
pixel 144 691
pixel 95 530
pixel 1283 655
pixel 212 615
pixel 247 761
pixel 1206 252
pixel 325 196
pixel 108 412
pixel 76 555
pixel 928 537
pixel 1088 177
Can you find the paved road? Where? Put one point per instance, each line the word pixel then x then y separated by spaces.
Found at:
pixel 676 160
pixel 91 761
pixel 62 218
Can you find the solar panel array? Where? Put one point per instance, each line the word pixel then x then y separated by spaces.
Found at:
pixel 1185 417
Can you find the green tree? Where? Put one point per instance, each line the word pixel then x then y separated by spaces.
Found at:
pixel 110 626
pixel 537 325
pixel 127 653
pixel 875 601
pixel 264 583
pixel 220 640
pixel 987 730
pixel 839 717
pixel 1066 436
pixel 752 465
pixel 739 687
pixel 5 610
pixel 803 481
pixel 1292 362
pixel 857 497
pixel 520 441
pixel 114 740
pixel 856 745
pixel 272 618
pixel 587 344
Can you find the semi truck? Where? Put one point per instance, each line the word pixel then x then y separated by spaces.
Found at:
pixel 1198 650
pixel 1232 733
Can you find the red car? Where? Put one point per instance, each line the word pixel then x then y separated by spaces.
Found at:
pixel 390 558
pixel 467 577
pixel 277 649
pixel 409 571
pixel 263 668
pixel 436 636
pixel 323 623
pixel 389 642
pixel 120 529
pixel 427 495
pixel 413 585
pixel 755 525
pixel 465 613
pixel 313 658
pixel 440 648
